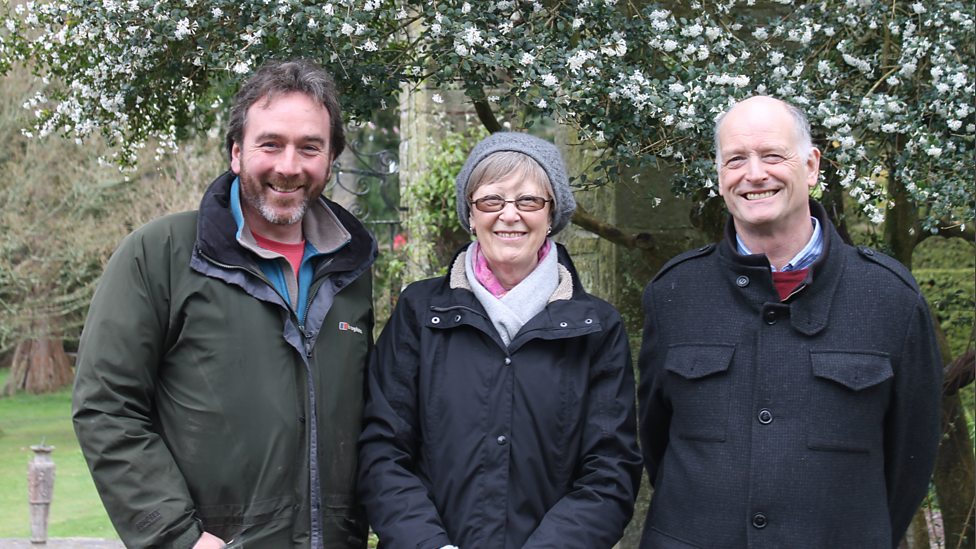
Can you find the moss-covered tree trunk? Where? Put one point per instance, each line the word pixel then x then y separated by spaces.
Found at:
pixel 955 466
pixel 954 479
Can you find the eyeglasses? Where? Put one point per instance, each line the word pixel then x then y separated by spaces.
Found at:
pixel 494 203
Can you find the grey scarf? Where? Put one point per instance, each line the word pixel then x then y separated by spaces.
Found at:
pixel 527 299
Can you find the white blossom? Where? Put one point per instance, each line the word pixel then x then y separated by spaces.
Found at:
pixel 692 30
pixel 578 59
pixel 472 36
pixel 184 28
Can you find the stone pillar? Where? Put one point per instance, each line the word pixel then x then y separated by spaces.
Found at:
pixel 427 115
pixel 40 489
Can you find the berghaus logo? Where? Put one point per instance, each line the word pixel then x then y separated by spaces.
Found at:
pixel 346 327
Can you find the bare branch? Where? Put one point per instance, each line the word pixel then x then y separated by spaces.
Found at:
pixel 589 222
pixel 950 230
pixel 486 116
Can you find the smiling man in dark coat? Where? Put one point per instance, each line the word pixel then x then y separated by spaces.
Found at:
pixel 789 390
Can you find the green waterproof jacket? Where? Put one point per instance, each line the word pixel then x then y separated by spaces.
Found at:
pixel 203 404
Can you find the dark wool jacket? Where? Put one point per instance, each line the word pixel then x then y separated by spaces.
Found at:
pixel 470 443
pixel 811 423
pixel 202 404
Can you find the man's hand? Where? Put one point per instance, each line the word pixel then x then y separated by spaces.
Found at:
pixel 209 541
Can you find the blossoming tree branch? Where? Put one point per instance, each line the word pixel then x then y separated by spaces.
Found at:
pixel 888 85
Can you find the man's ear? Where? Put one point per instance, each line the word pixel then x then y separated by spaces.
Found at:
pixel 235 158
pixel 813 167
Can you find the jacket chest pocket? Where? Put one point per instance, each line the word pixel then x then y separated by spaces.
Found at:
pixel 848 400
pixel 699 390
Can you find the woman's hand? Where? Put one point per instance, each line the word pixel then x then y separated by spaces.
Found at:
pixel 209 541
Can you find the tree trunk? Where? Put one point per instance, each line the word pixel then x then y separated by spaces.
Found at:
pixel 917 536
pixel 900 220
pixel 832 200
pixel 954 476
pixel 40 364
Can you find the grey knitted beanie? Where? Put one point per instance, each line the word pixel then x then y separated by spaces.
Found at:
pixel 543 152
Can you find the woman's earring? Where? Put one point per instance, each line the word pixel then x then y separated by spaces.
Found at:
pixel 472 228
pixel 549 230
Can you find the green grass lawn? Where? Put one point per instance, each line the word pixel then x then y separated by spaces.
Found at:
pixel 25 420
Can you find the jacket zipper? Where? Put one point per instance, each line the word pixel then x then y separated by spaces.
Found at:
pixel 315 503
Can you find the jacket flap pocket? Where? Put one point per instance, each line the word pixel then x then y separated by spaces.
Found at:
pixel 697 361
pixel 856 371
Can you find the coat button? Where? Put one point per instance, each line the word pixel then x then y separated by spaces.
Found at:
pixel 563 324
pixel 301 419
pixel 501 440
pixel 765 416
pixel 507 361
pixel 742 281
pixel 759 521
pixel 435 320
pixel 770 317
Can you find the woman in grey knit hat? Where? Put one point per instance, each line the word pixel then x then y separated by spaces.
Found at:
pixel 500 408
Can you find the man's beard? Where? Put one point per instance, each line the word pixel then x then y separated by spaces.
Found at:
pixel 260 203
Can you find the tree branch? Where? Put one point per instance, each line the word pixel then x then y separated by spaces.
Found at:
pixel 486 116
pixel 950 230
pixel 959 373
pixel 586 220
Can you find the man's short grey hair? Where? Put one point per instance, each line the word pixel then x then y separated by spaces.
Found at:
pixel 283 77
pixel 801 125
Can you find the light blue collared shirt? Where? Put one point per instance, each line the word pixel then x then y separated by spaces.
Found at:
pixel 804 258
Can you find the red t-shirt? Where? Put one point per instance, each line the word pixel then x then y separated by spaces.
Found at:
pixel 292 252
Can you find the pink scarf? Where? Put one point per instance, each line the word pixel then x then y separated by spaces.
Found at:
pixel 487 278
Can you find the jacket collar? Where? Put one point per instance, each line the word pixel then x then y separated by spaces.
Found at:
pixel 752 280
pixel 564 318
pixel 217 232
pixel 459 278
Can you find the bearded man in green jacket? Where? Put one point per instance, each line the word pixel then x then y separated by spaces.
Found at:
pixel 219 386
